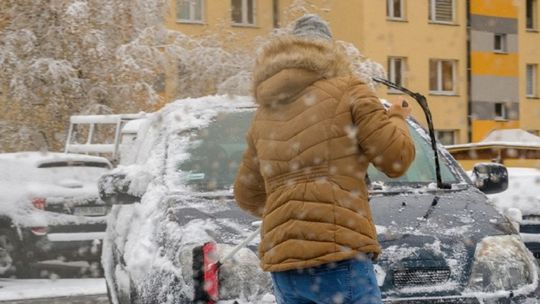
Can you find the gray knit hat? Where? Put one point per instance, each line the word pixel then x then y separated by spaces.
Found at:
pixel 312 26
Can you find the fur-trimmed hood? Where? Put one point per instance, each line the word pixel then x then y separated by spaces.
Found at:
pixel 287 65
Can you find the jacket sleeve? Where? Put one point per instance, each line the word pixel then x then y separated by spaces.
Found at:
pixel 383 137
pixel 249 188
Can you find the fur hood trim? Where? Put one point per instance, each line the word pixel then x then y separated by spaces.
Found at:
pixel 322 57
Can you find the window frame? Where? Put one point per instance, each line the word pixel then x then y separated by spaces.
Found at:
pixel 532 81
pixel 390 9
pixel 449 131
pixel 432 13
pixel 504 111
pixel 245 13
pixel 503 43
pixel 534 15
pixel 439 90
pixel 191 12
pixel 392 72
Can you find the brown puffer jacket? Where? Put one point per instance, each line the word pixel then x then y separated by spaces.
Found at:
pixel 309 146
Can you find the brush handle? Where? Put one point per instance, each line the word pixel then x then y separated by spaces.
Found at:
pixel 240 246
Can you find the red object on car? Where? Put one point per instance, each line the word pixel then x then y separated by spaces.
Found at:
pixel 211 283
pixel 39 203
pixel 205 274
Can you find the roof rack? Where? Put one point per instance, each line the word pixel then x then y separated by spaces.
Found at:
pixel 109 150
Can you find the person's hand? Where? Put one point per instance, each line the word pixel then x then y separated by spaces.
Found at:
pixel 400 107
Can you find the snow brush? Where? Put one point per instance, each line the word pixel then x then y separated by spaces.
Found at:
pixel 206 269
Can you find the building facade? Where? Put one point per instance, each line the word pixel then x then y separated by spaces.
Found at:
pixel 529 65
pixel 475 60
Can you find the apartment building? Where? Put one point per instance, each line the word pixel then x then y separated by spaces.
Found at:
pixel 475 60
pixel 529 65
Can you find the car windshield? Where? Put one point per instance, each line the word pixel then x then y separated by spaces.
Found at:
pixel 217 151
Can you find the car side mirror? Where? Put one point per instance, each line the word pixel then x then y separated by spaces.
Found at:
pixel 490 178
pixel 114 190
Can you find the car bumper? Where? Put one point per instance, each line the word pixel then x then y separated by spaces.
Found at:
pixel 529 299
pixel 64 245
pixel 534 247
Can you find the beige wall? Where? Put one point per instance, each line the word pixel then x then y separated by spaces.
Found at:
pixel 217 21
pixel 529 46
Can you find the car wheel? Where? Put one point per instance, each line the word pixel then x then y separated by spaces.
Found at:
pixel 9 253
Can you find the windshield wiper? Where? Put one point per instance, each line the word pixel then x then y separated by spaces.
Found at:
pixel 422 101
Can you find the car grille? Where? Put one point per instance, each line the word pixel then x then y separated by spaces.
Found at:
pixel 534 248
pixel 411 277
pixel 529 228
pixel 531 217
pixel 434 301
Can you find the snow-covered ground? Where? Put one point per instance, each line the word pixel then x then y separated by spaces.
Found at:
pixel 15 289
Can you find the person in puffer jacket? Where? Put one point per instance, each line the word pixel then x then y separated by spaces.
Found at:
pixel 316 130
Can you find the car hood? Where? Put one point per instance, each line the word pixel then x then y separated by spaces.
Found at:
pixel 429 239
pixel 414 235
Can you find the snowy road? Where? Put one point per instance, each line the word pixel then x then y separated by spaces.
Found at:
pixel 97 299
pixel 34 291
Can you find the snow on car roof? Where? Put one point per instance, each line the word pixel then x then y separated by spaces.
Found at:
pixel 504 138
pixel 35 158
pixel 195 107
pixel 133 126
pixel 523 191
pixel 514 171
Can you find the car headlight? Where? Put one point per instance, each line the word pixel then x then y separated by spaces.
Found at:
pixel 502 263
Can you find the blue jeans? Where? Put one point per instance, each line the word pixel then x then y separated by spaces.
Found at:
pixel 344 282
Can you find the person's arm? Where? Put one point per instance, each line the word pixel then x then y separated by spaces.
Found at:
pixel 382 135
pixel 249 189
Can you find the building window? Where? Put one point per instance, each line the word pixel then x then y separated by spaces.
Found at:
pixel 396 71
pixel 395 9
pixel 442 76
pixel 446 137
pixel 189 10
pixel 499 44
pixel 532 74
pixel 441 11
pixel 501 112
pixel 531 9
pixel 243 12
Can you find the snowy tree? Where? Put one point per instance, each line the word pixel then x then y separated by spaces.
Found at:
pixel 64 57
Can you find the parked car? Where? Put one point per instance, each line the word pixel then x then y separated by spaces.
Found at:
pixel 522 202
pixel 49 209
pixel 439 245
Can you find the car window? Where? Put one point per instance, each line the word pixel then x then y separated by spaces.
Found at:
pixel 89 171
pixel 422 170
pixel 217 150
pixel 59 164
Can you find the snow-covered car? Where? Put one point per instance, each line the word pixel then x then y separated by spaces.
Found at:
pixel 439 245
pixel 49 209
pixel 522 201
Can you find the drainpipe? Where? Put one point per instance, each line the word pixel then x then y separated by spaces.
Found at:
pixel 469 74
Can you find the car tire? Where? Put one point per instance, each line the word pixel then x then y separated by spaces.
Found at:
pixel 130 296
pixel 12 261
